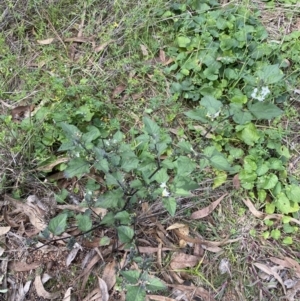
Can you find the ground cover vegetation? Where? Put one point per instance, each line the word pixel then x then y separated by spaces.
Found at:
pixel 150 150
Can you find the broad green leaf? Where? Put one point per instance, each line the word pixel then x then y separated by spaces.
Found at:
pixel 275 234
pixel 85 113
pixel 135 293
pixel 198 114
pixel 288 240
pixel 239 99
pixel 84 222
pixel 151 126
pixel 170 205
pixel 110 199
pixel 183 41
pixel 162 176
pixel 131 276
pixel 270 208
pixel 242 117
pixel 270 74
pixel 220 163
pixel 154 284
pixel 77 167
pixel 293 192
pixel 58 224
pixel 92 134
pixel 185 165
pixel 283 204
pixel 71 131
pixel 123 217
pixel 118 137
pixel 182 192
pixel 185 146
pixel 219 179
pixel 211 104
pixel 276 164
pixel 247 177
pixel 267 181
pixel 129 164
pixel 262 195
pixel 108 219
pixel 262 169
pixel 60 198
pixel 102 165
pixel 264 110
pixel 104 241
pixel 125 234
pixel 249 164
pixel 248 134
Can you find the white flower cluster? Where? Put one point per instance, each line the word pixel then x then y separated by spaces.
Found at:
pixel 261 94
pixel 165 192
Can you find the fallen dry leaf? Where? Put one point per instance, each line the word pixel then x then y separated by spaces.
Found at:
pixel 109 274
pixel 79 39
pixel 93 295
pixel 118 90
pixel 46 41
pixel 67 296
pixel 103 288
pixel 150 250
pixel 194 292
pixel 269 271
pixel 18 266
pixel 40 290
pixel 162 56
pixel 252 209
pixel 207 210
pixel 102 46
pixel 4 230
pixel 158 298
pixel 144 50
pixel 236 182
pixel 182 260
pixel 71 256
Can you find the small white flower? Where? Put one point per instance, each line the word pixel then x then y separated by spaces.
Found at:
pixel 163 185
pixel 260 95
pixel 213 116
pixel 165 193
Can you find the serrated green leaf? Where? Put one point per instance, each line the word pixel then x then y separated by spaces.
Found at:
pixel 293 192
pixel 102 165
pixel 84 222
pixel 268 181
pixel 264 110
pixel 77 167
pixel 276 164
pixel 123 217
pixel 270 74
pixel 125 234
pixel 211 104
pixel 242 117
pixel 129 164
pixel 58 224
pixel 104 241
pixel 92 134
pixel 248 134
pixel 111 199
pixel 71 131
pixel 135 293
pixel 262 169
pixel 131 276
pixel 162 176
pixel 219 179
pixel 220 163
pixel 270 208
pixel 170 205
pixel 198 114
pixel 185 165
pixel 154 284
pixel 151 126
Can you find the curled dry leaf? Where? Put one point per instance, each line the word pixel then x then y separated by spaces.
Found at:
pixel 207 210
pixel 269 271
pixel 158 298
pixel 4 230
pixel 236 182
pixel 252 209
pixel 118 90
pixel 162 56
pixel 182 260
pixel 194 292
pixel 71 256
pixel 103 289
pixel 67 296
pixel 46 41
pixel 40 290
pixel 109 274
